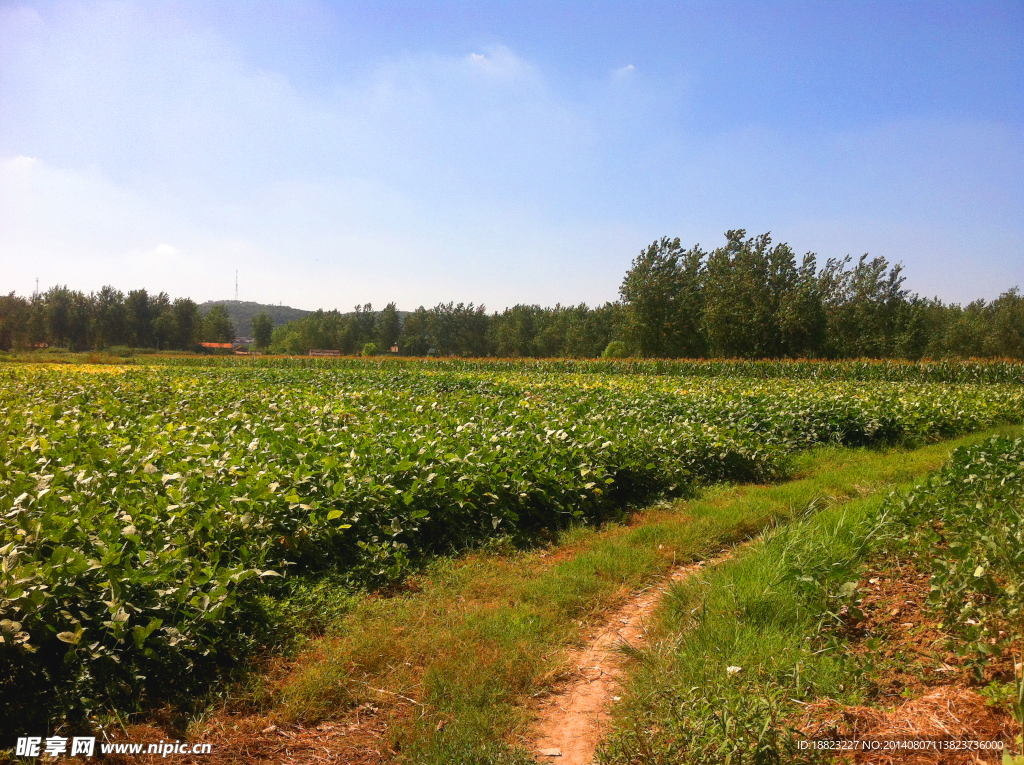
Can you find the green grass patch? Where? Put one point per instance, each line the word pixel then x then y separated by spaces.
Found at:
pixel 742 644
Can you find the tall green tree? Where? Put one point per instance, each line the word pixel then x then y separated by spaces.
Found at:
pixel 188 324
pixel 864 307
pixel 389 327
pixel 14 321
pixel 801 313
pixel 68 318
pixel 584 337
pixel 165 323
pixel 139 315
pixel 361 328
pixel 217 326
pixel 58 310
pixel 467 329
pixel 512 332
pixel 663 298
pixel 416 339
pixel 37 329
pixel 262 329
pixel 322 330
pixel 552 329
pixel 1007 328
pixel 110 325
pixel 747 282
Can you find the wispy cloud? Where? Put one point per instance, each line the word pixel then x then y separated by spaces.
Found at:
pixel 623 73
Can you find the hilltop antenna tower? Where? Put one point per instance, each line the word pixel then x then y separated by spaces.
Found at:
pixel 236 285
pixel 37 287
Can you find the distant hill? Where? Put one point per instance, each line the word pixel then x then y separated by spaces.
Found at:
pixel 242 311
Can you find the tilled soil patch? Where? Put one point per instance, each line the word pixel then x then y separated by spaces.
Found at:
pixel 913 658
pixel 913 649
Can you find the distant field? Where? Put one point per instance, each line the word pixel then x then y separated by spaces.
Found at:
pixel 144 509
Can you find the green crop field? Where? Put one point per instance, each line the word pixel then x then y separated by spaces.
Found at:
pixel 149 511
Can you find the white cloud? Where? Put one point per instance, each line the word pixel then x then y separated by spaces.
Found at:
pixel 163 253
pixel 500 61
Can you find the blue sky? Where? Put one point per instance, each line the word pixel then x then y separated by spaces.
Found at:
pixel 500 153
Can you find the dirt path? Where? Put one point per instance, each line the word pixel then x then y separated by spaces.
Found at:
pixel 572 720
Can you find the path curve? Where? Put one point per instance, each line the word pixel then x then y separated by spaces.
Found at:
pixel 573 718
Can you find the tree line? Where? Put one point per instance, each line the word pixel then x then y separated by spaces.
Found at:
pixel 749 298
pixel 70 319
pixel 451 329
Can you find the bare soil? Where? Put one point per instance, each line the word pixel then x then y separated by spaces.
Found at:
pixel 915 650
pixel 915 661
pixel 572 719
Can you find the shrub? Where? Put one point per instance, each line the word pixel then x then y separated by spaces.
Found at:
pixel 616 349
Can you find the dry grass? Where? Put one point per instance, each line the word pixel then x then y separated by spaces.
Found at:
pixel 258 740
pixel 947 713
